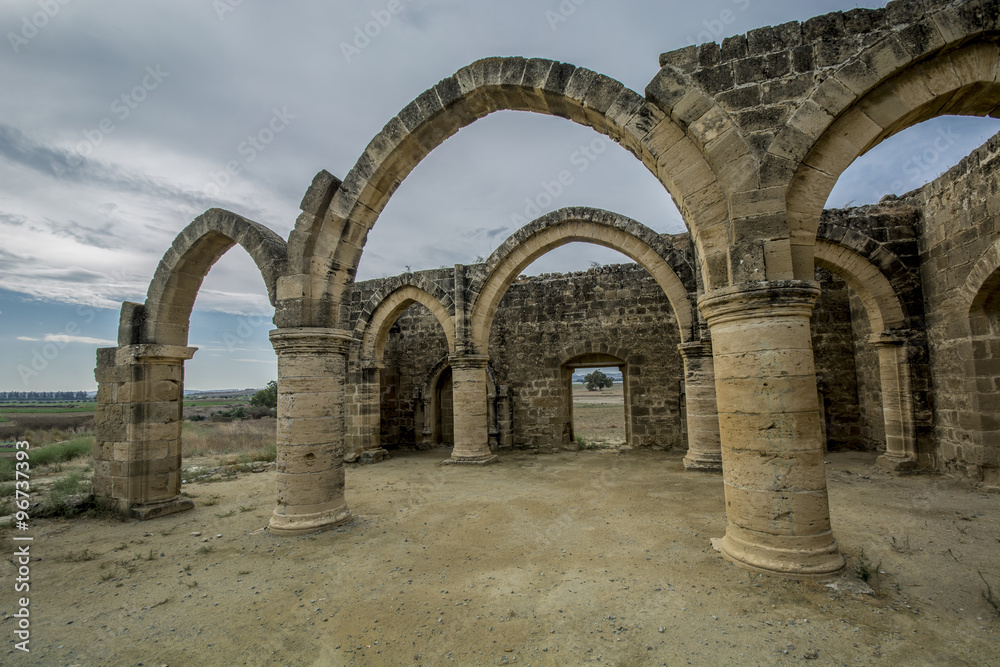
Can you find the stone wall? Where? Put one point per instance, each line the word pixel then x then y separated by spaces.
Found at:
pixel 545 320
pixel 834 351
pixel 886 235
pixel 959 233
pixel 416 347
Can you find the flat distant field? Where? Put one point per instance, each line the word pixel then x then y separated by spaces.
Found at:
pixel 41 409
pixel 599 416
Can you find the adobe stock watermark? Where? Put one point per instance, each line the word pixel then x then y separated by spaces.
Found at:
pixel 31 25
pixel 363 35
pixel 717 27
pixel 223 7
pixel 921 166
pixel 550 191
pixel 248 150
pixel 246 326
pixel 562 13
pixel 121 108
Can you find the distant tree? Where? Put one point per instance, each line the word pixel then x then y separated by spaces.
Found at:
pixel 597 381
pixel 267 397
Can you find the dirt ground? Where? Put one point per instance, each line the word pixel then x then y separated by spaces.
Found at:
pixel 561 559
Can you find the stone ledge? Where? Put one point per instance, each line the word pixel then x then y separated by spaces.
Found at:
pixel 477 462
pixel 897 464
pixel 156 510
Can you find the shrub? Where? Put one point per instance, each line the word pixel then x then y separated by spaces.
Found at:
pixel 61 452
pixel 266 397
pixel 69 485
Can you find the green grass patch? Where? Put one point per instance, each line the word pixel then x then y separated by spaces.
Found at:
pixel 7 470
pixel 60 452
pixel 69 485
pixel 14 410
pixel 208 403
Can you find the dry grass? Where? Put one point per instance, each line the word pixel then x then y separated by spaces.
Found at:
pixel 250 439
pixel 39 429
pixel 599 424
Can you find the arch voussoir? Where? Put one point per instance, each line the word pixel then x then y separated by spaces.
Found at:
pixel 185 264
pixel 670 267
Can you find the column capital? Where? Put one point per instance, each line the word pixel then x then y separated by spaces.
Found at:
pixel 468 360
pixel 147 353
pixel 696 349
pixel 760 299
pixel 311 340
pixel 891 337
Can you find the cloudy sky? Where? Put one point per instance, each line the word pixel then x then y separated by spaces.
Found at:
pixel 119 120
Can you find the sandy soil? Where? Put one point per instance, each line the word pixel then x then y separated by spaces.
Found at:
pixel 560 559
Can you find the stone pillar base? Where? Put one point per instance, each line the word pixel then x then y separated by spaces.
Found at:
pixel 703 462
pixel 374 456
pixel 812 556
pixel 302 524
pixel 471 461
pixel 898 464
pixel 162 508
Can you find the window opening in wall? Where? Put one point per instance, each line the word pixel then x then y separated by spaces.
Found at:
pixel 598 406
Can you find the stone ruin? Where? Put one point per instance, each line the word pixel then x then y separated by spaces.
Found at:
pixel 773 330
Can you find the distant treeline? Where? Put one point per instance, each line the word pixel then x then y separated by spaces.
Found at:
pixel 43 396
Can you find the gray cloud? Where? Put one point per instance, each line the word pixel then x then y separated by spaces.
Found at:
pixel 68 165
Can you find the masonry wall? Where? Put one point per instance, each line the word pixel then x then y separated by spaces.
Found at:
pixel 960 227
pixel 886 234
pixel 833 352
pixel 416 347
pixel 543 320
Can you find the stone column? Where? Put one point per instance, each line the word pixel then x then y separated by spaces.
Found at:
pixel 137 450
pixel 772 457
pixel 897 401
pixel 704 451
pixel 469 398
pixel 370 417
pixel 312 366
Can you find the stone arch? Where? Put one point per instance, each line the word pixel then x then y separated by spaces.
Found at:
pixel 983 277
pixel 435 411
pixel 141 395
pixel 593 353
pixel 178 277
pixel 387 286
pixel 893 340
pixel 375 330
pixel 668 266
pixel 882 304
pixel 327 242
pixel 981 304
pixel 944 64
